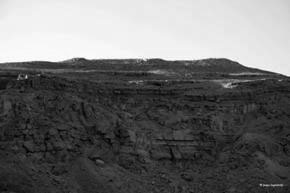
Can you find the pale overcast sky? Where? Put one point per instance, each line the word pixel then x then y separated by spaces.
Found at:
pixel 255 33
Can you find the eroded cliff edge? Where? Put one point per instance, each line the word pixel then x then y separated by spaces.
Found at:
pixel 61 134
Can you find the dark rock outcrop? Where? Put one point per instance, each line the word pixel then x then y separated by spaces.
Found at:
pixel 60 134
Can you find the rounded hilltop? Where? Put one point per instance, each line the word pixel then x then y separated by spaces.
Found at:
pixel 76 60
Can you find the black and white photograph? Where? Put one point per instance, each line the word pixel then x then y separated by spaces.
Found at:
pixel 144 96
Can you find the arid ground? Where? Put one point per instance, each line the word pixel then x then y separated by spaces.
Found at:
pixel 143 126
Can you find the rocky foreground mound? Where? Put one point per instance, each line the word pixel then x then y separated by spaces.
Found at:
pixel 143 126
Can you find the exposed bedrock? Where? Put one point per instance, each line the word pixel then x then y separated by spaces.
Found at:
pixel 81 137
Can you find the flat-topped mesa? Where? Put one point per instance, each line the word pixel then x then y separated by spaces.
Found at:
pixel 211 65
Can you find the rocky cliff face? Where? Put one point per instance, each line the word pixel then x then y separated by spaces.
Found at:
pixel 61 134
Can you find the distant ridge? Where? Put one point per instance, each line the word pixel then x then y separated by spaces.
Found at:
pixel 75 60
pixel 209 65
